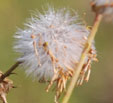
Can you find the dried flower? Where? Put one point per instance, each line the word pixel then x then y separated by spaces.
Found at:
pixel 51 45
pixel 5 86
pixel 104 7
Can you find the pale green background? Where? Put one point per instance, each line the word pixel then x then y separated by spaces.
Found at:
pixel 99 89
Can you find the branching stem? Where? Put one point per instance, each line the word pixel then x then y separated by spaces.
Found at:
pixel 9 71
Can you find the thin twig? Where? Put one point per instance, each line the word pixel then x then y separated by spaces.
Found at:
pixel 9 71
pixel 82 59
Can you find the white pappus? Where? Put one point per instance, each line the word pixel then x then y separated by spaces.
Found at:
pixel 51 45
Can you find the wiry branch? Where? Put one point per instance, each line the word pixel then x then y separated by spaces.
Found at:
pixel 9 71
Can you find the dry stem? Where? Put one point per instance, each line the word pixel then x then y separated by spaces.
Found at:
pixel 9 71
pixel 82 59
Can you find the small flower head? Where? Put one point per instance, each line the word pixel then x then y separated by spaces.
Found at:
pixel 51 45
pixel 104 7
pixel 5 87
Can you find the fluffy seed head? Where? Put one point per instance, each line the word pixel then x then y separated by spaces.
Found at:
pixel 104 7
pixel 51 45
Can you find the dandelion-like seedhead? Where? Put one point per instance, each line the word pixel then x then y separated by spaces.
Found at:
pixel 103 7
pixel 51 45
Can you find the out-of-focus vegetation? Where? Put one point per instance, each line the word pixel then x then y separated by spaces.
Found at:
pixel 99 89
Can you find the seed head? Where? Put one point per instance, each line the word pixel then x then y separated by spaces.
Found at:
pixel 51 45
pixel 5 87
pixel 104 7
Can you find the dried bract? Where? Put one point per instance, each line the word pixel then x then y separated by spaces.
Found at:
pixel 5 86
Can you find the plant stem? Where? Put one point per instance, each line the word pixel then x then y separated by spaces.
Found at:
pixel 9 71
pixel 77 71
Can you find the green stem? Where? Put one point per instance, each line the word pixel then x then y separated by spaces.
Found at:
pixel 91 37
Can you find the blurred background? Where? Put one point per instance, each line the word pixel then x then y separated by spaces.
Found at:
pixel 99 89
